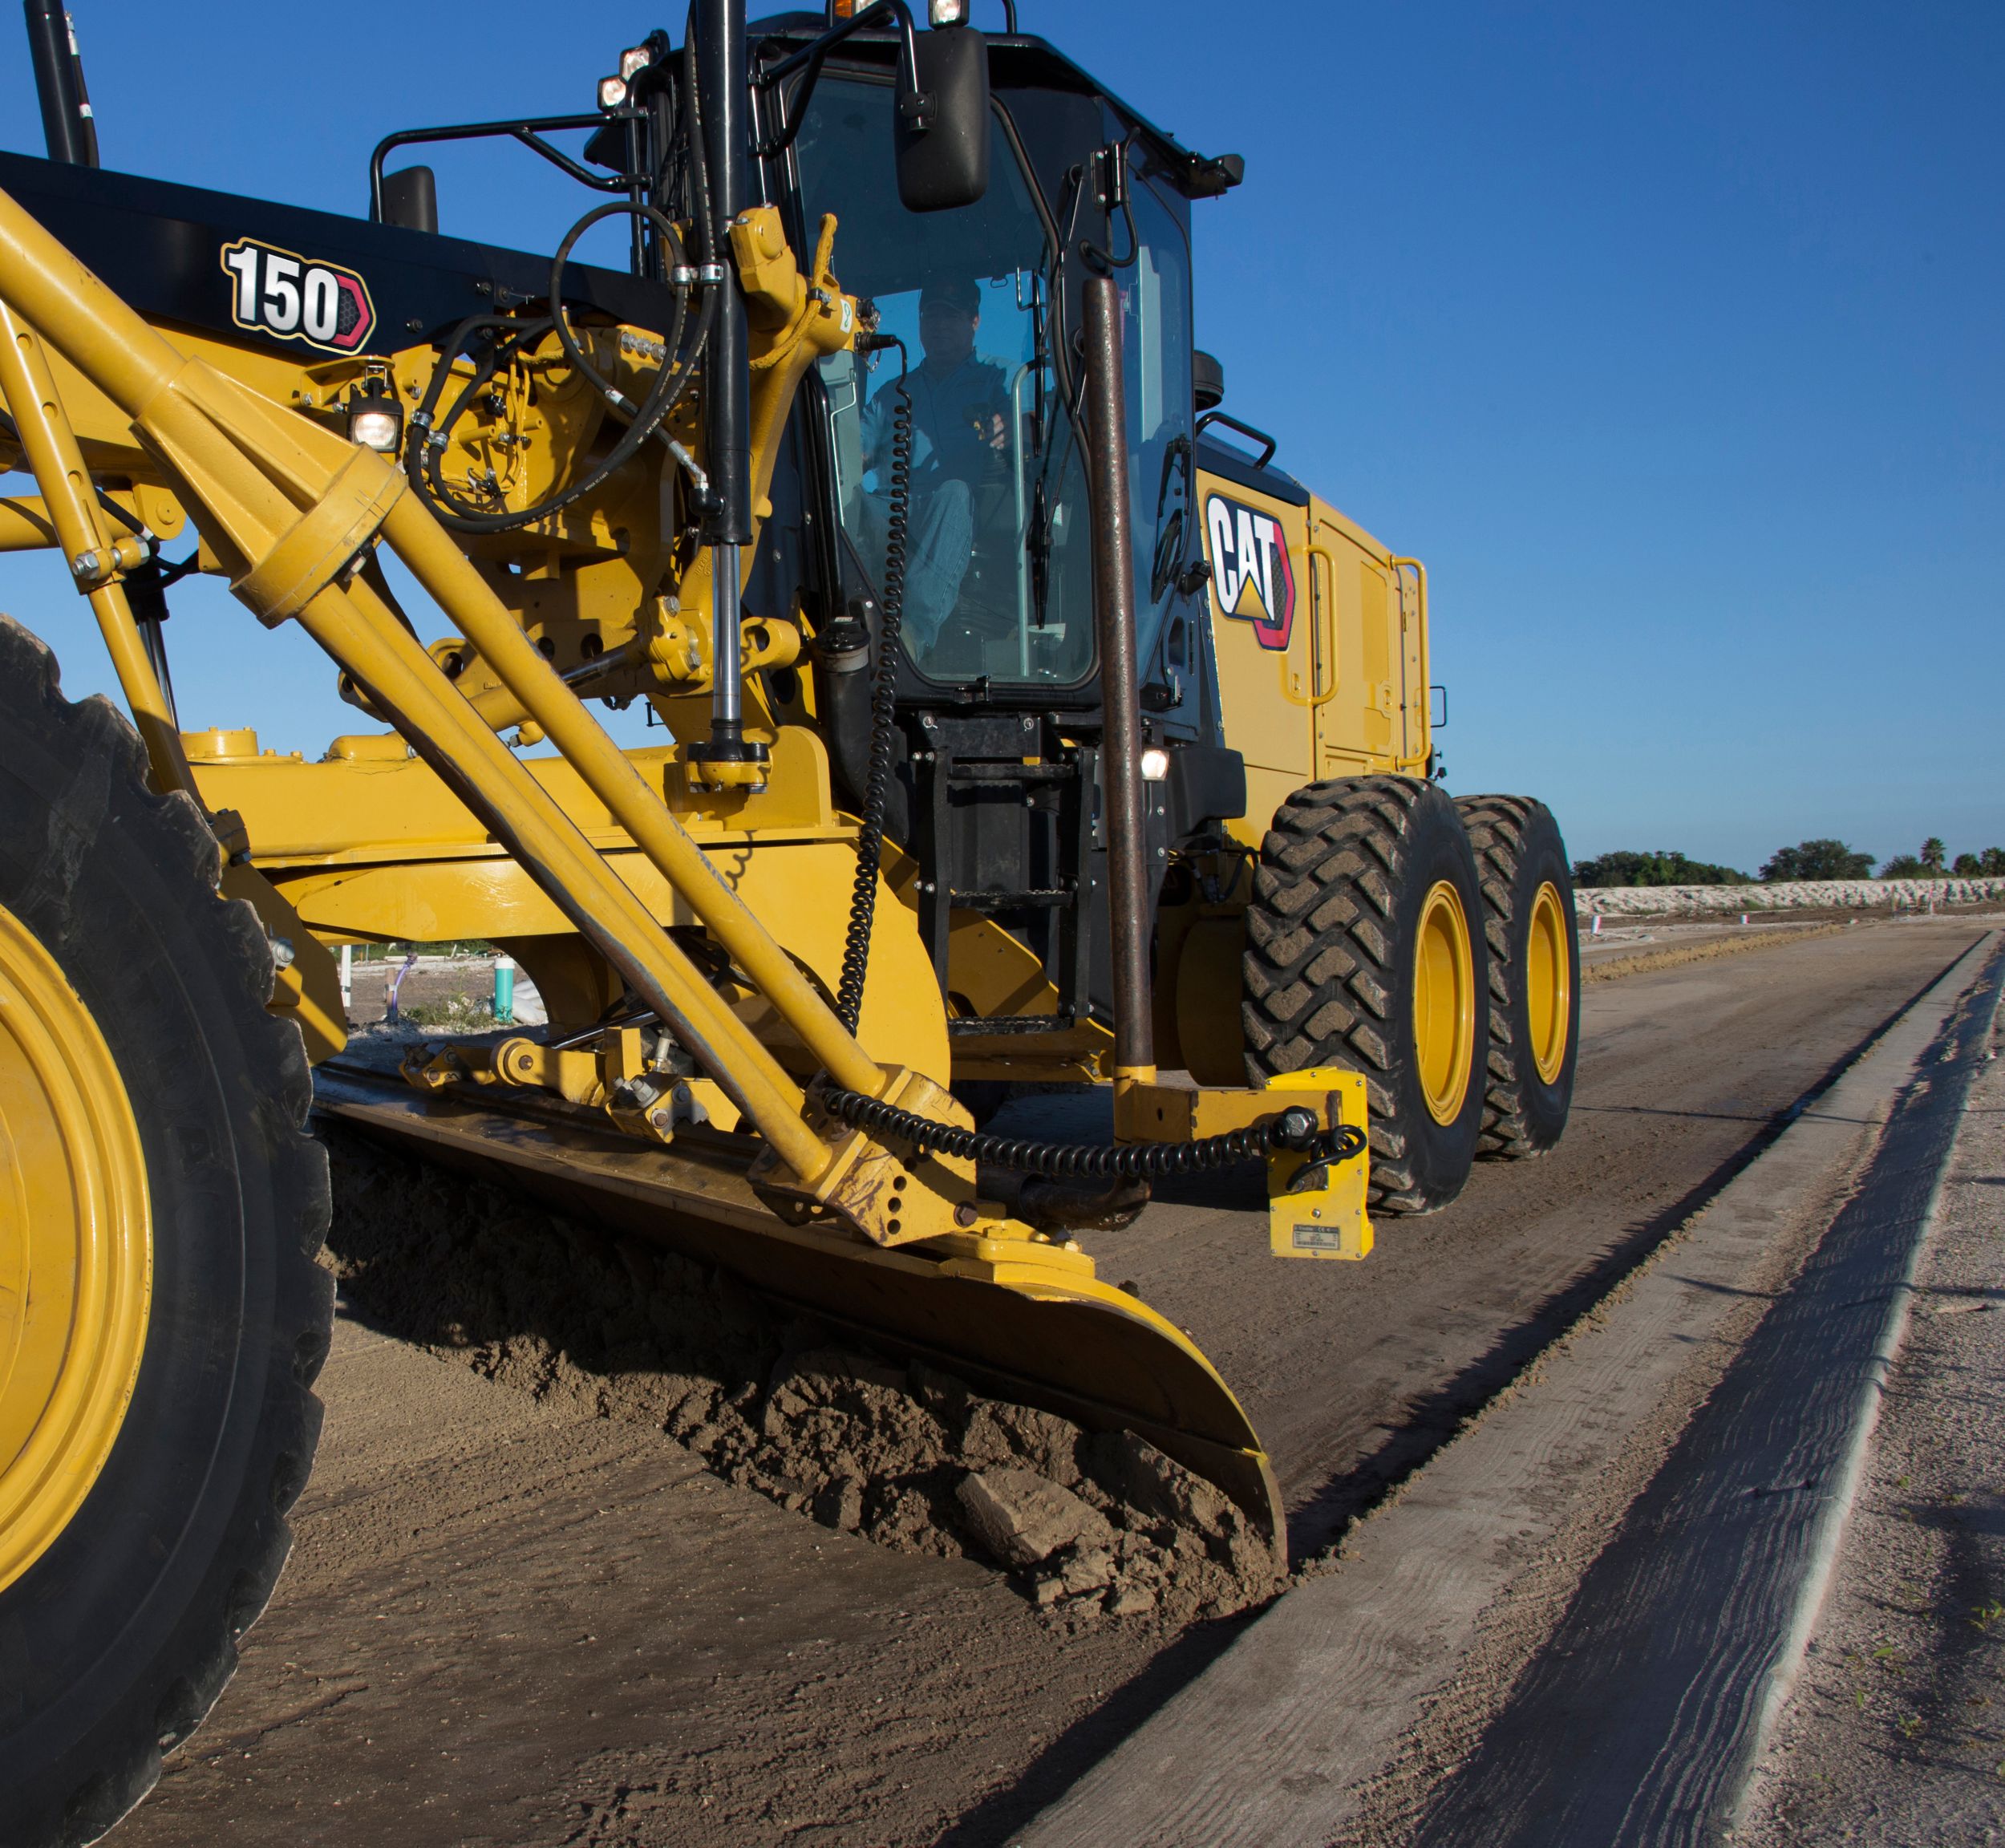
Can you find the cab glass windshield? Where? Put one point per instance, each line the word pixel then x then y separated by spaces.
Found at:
pixel 998 567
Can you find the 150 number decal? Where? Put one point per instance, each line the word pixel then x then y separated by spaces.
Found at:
pixel 292 297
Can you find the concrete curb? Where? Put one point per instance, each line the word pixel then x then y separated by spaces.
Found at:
pixel 1278 1741
pixel 1643 1715
pixel 1822 1563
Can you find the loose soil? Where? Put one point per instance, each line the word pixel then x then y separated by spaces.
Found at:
pixel 554 1308
pixel 526 1608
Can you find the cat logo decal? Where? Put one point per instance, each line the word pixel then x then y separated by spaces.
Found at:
pixel 1250 574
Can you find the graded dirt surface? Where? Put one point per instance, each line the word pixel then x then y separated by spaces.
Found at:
pixel 511 1620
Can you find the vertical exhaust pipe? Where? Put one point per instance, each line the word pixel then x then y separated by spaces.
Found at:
pixel 67 124
pixel 1120 693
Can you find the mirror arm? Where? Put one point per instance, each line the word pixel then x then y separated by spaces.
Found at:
pixel 914 104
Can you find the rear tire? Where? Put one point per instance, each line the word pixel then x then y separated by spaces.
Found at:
pixel 120 1616
pixel 1528 919
pixel 1363 952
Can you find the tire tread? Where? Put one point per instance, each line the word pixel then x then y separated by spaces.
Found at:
pixel 76 1805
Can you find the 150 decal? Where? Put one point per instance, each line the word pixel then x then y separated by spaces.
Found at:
pixel 1250 573
pixel 295 297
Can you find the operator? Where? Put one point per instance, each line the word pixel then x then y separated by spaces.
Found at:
pixel 960 437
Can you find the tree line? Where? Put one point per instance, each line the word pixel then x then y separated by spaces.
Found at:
pixel 1808 860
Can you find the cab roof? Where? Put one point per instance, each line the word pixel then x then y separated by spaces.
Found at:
pixel 1023 61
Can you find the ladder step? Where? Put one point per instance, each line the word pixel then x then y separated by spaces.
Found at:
pixel 969 1028
pixel 961 772
pixel 1049 898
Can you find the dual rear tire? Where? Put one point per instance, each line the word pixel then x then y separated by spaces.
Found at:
pixel 1429 945
pixel 1534 944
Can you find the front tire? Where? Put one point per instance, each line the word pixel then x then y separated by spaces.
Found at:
pixel 1363 952
pixel 140 1070
pixel 1528 917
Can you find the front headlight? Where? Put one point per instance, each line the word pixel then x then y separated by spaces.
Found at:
pixel 375 419
pixel 374 430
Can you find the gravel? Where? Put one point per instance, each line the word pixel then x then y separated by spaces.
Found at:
pixel 1804 895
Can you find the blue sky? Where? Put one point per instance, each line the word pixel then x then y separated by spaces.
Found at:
pixel 1673 339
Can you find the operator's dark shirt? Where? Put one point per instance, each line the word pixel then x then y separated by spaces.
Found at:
pixel 950 421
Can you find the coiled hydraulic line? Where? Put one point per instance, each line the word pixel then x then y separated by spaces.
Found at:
pixel 1293 1128
pixel 884 713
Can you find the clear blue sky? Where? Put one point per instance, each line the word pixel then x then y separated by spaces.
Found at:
pixel 1673 339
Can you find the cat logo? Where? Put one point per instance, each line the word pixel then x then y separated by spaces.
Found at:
pixel 1250 574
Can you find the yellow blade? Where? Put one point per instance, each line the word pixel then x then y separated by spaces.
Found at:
pixel 1015 1319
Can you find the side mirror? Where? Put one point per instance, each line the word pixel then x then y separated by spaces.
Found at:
pixel 410 199
pixel 1207 381
pixel 942 129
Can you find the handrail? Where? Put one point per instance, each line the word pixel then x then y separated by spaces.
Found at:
pixel 1322 697
pixel 1023 511
pixel 528 130
pixel 1400 568
pixel 1232 423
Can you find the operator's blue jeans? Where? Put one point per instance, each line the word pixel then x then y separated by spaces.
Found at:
pixel 938 550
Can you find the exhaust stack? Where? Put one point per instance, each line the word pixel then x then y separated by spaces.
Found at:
pixel 67 123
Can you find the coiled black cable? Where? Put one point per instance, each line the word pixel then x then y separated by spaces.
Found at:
pixel 1292 1129
pixel 884 710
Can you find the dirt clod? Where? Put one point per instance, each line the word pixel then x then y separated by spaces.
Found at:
pixel 1022 1520
pixel 908 1456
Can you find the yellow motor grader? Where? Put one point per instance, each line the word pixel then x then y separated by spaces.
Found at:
pixel 1017 727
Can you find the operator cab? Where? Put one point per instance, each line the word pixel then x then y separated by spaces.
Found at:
pixel 976 309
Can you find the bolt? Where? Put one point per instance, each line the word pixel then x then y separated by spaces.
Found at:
pixel 282 952
pixel 964 1214
pixel 85 565
pixel 661 1120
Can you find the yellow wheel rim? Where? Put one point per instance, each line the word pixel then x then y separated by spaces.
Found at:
pixel 1549 982
pixel 76 1250
pixel 1443 1002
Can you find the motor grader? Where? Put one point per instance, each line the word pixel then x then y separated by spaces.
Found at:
pixel 1020 724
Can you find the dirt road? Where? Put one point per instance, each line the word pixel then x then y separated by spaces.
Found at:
pixel 510 1621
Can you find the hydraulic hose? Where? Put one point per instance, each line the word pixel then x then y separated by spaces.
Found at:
pixel 427 442
pixel 672 341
